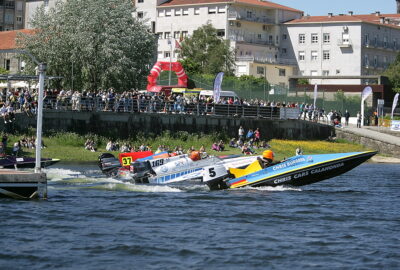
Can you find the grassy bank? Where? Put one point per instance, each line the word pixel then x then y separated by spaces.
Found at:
pixel 70 146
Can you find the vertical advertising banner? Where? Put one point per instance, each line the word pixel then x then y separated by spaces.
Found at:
pixel 217 86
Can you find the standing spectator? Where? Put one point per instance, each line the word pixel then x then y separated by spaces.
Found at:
pixel 358 119
pixel 257 136
pixel 241 133
pixel 347 117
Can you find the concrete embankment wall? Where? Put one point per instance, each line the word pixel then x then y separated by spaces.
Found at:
pixel 125 125
pixel 382 146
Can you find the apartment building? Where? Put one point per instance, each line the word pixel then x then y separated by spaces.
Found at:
pixel 335 46
pixel 11 15
pixel 32 5
pixel 252 26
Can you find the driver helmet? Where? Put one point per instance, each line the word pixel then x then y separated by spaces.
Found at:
pixel 268 154
pixel 195 155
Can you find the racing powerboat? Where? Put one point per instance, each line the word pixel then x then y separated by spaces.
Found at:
pixel 295 171
pixel 11 162
pixel 165 168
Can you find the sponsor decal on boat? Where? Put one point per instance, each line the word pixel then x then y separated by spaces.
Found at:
pixel 328 168
pixel 288 163
pixel 283 179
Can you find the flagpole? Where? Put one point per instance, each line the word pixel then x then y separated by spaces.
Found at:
pixel 170 58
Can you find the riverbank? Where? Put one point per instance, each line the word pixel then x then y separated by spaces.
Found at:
pixel 70 146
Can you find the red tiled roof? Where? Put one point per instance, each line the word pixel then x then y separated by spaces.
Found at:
pixel 8 38
pixel 369 18
pixel 263 3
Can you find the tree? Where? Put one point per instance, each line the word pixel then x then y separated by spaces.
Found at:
pixel 206 53
pixel 92 44
pixel 393 73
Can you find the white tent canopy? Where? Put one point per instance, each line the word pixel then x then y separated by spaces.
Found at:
pixel 19 84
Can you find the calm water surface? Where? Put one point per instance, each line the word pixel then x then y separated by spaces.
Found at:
pixel 91 222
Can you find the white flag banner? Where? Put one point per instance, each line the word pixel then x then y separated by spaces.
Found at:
pixel 366 92
pixel 315 94
pixel 396 98
pixel 217 86
pixel 364 95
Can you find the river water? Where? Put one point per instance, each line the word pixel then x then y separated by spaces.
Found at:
pixel 92 222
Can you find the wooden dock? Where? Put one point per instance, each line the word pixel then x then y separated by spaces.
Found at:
pixel 22 184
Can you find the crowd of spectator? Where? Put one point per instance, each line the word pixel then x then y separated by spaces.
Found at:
pixel 24 100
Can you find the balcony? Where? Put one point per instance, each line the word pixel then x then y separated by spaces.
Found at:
pixel 250 39
pixel 344 43
pixel 381 45
pixel 266 60
pixel 234 15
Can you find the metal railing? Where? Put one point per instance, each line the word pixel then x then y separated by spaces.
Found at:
pixel 167 107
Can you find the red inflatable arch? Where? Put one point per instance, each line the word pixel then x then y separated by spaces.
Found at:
pixel 159 66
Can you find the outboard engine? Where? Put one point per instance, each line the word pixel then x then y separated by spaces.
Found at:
pixel 141 171
pixel 109 164
pixel 215 176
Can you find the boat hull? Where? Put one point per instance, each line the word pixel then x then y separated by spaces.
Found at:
pixel 298 171
pixel 315 173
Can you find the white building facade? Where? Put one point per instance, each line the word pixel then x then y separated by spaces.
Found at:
pixel 253 28
pixel 343 45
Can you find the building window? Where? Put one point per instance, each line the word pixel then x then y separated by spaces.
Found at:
pixel 10 4
pixel 284 50
pixel 314 73
pixel 9 18
pixel 314 55
pixel 178 12
pixel 284 37
pixel 140 15
pixel 176 34
pixel 260 70
pixel 282 72
pixel 338 71
pixel 167 54
pixel 385 43
pixel 302 56
pixel 7 64
pixel 167 35
pixel 326 55
pixel 212 10
pixel 196 11
pixel 249 14
pixel 185 12
pixel 167 13
pixel 161 13
pixel 259 36
pixel 375 61
pixel 159 35
pixel 325 73
pixel 314 38
pixel 221 9
pixel 366 39
pixel 19 6
pixel 366 60
pixel 327 38
pixel 302 38
pixel 184 34
pixel 140 1
pixel 221 32
pixel 19 19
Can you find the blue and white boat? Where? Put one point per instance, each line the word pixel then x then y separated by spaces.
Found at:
pixel 295 171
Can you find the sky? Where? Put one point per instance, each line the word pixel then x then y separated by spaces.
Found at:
pixel 323 7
